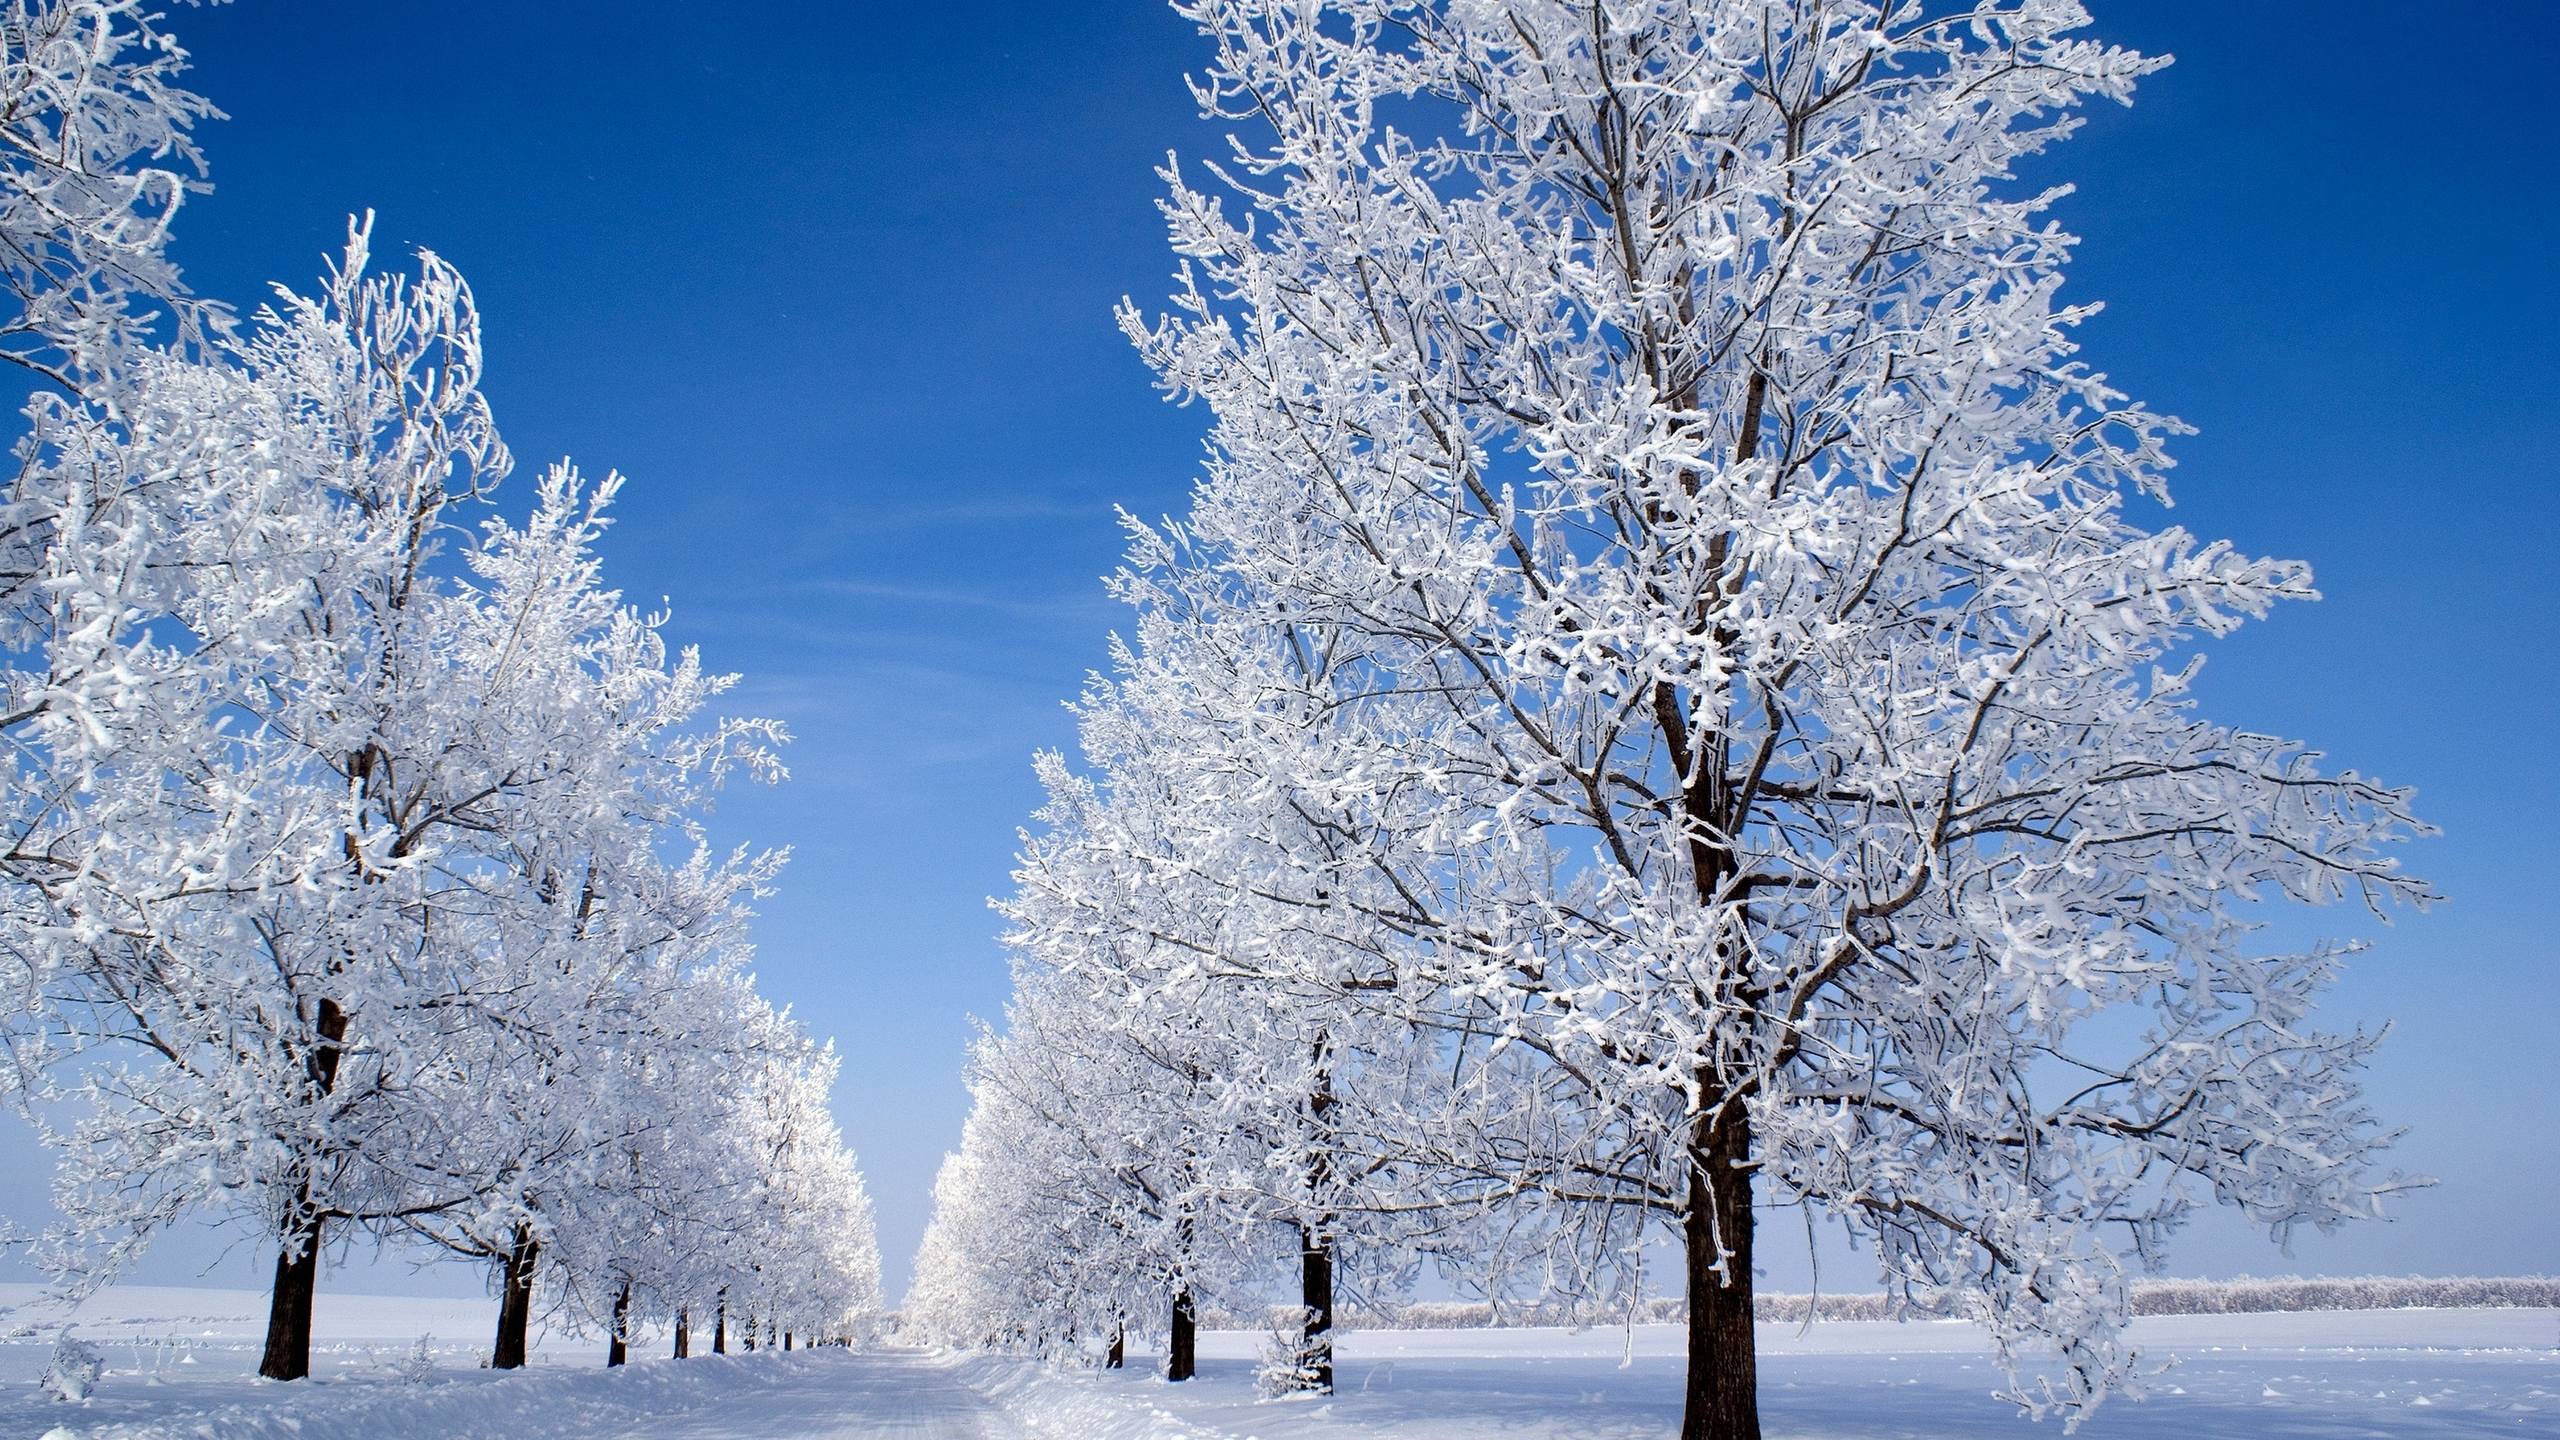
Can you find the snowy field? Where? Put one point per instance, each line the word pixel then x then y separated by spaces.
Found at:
pixel 180 1364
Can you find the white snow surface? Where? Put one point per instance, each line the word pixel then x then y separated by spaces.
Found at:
pixel 181 1362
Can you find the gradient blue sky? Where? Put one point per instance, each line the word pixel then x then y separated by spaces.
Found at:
pixel 832 284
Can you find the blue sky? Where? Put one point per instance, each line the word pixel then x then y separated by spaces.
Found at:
pixel 832 284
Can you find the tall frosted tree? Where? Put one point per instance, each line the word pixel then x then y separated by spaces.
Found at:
pixel 1658 423
pixel 342 734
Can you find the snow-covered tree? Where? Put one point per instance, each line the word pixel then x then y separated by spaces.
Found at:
pixel 964 1288
pixel 97 152
pixel 736 1198
pixel 581 940
pixel 1098 1215
pixel 344 732
pixel 1180 1109
pixel 1650 435
pixel 805 1260
pixel 410 881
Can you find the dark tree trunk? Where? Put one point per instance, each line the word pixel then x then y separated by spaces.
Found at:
pixel 1315 1250
pixel 786 1342
pixel 1182 1331
pixel 1119 1355
pixel 1182 1343
pixel 288 1354
pixel 515 1301
pixel 1315 1292
pixel 618 1349
pixel 720 1326
pixel 747 1334
pixel 1723 1401
pixel 684 1335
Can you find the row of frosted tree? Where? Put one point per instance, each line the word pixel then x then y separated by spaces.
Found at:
pixel 354 884
pixel 1670 704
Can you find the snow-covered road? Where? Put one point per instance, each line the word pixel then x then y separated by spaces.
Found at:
pixel 874 1395
pixel 180 1364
